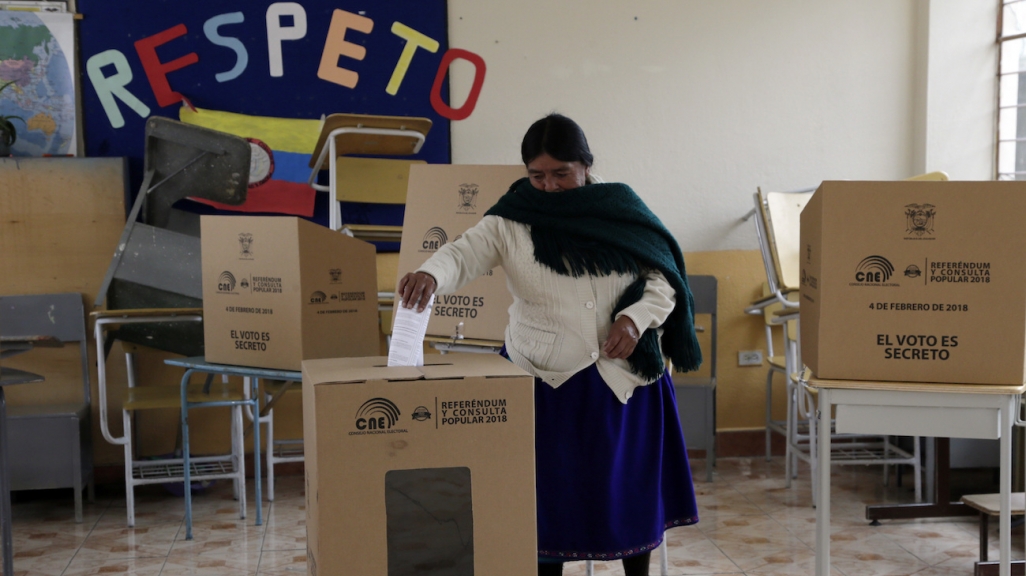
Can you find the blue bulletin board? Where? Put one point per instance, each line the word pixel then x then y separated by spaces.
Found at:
pixel 297 60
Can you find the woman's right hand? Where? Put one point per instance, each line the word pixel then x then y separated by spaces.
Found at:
pixel 416 288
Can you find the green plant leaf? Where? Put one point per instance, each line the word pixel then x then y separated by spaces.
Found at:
pixel 10 133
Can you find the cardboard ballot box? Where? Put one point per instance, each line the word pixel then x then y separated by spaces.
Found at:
pixel 278 290
pixel 443 201
pixel 417 470
pixel 915 281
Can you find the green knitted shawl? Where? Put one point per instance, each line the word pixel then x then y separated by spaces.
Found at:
pixel 601 229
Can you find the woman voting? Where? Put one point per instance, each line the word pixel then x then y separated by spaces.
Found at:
pixel 600 296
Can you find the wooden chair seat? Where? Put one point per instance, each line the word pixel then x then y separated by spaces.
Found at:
pixel 990 505
pixel 150 397
pixel 275 387
pixel 779 362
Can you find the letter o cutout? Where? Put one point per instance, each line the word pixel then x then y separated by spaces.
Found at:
pixel 464 111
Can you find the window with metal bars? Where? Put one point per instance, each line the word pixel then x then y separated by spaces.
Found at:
pixel 1011 121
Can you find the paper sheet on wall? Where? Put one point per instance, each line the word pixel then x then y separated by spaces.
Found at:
pixel 406 347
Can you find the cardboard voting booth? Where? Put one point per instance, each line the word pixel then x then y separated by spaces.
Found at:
pixel 417 470
pixel 915 281
pixel 278 290
pixel 443 201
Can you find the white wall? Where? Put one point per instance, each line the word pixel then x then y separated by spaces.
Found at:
pixel 695 103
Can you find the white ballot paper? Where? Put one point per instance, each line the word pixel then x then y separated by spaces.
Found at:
pixel 406 348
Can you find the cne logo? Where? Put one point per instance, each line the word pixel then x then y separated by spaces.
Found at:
pixel 874 270
pixel 434 239
pixel 919 219
pixel 226 282
pixel 318 297
pixel 377 414
pixel 468 198
pixel 246 245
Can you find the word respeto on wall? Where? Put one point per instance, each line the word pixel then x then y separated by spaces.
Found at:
pixel 110 71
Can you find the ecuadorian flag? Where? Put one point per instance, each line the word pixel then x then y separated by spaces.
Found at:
pixel 280 166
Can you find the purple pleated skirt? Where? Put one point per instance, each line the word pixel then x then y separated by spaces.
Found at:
pixel 611 477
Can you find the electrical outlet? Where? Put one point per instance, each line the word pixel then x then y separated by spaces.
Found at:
pixel 749 358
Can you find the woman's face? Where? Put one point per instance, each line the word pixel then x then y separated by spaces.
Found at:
pixel 551 175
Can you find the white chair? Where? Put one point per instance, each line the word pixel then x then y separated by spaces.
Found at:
pixel 777 228
pixel 165 470
pixel 777 363
pixel 780 261
pixel 367 135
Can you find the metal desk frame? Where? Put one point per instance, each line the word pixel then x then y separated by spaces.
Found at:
pixel 199 364
pixel 8 377
pixel 915 409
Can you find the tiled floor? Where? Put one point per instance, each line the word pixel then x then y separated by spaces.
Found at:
pixel 750 524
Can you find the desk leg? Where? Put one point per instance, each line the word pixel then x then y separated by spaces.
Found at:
pixel 941 507
pixel 255 399
pixel 185 454
pixel 1008 411
pixel 823 506
pixel 5 491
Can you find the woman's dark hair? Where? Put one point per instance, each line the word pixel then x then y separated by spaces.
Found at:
pixel 559 137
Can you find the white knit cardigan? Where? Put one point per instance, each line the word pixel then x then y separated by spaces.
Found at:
pixel 557 323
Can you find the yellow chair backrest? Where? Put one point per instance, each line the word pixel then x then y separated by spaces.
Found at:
pixel 388 271
pixel 373 180
pixel 937 176
pixel 781 214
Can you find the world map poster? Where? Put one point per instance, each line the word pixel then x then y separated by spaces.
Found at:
pixel 36 56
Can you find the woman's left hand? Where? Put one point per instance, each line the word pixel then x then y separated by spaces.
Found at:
pixel 623 338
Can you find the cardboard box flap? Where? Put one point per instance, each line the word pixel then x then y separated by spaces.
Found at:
pixel 448 366
pixel 444 201
pixel 470 366
pixel 351 370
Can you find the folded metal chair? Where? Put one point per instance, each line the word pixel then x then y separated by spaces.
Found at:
pixel 153 291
